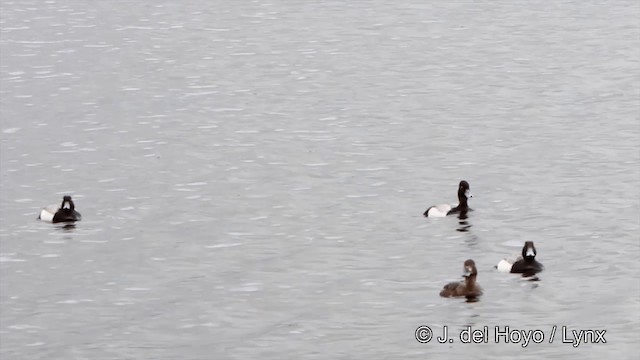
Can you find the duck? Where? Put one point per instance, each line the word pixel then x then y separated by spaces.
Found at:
pixel 467 288
pixel 527 265
pixel 443 210
pixel 65 213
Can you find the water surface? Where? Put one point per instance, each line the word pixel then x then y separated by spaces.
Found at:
pixel 252 176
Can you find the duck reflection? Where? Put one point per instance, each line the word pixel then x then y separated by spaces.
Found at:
pixel 68 227
pixel 464 225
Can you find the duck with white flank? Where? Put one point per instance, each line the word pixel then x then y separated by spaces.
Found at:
pixel 443 210
pixel 65 213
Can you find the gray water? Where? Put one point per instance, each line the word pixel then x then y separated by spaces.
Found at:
pixel 252 177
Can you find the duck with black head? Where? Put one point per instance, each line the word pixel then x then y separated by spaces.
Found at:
pixel 527 265
pixel 442 210
pixel 467 288
pixel 65 213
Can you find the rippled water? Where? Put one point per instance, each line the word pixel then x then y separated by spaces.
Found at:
pixel 252 176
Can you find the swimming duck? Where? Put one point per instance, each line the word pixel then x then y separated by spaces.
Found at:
pixel 65 213
pixel 525 264
pixel 443 210
pixel 467 288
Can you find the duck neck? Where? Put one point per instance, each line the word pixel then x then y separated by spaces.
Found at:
pixel 470 281
pixel 462 202
pixel 71 205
